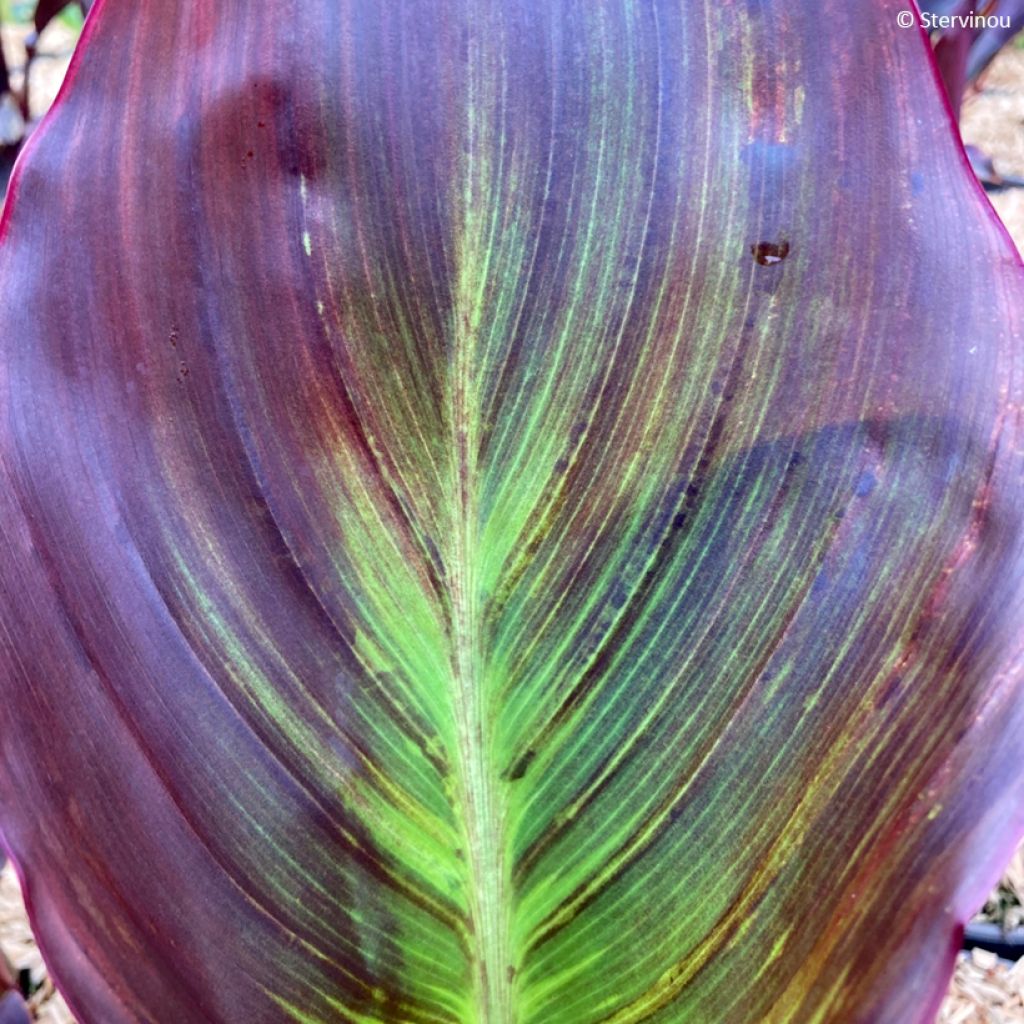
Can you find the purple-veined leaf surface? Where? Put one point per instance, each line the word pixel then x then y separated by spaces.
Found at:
pixel 511 513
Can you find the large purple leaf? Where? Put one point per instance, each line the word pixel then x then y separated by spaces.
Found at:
pixel 511 513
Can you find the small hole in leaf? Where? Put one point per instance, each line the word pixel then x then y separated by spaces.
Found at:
pixel 769 253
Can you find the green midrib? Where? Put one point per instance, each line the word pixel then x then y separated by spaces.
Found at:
pixel 483 805
pixel 488 875
pixel 489 879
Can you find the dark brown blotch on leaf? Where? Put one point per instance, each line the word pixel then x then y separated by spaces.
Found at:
pixel 769 253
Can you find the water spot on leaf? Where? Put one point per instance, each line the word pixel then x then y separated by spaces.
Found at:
pixel 865 484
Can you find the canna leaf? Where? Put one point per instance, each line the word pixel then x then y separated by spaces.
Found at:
pixel 964 50
pixel 511 514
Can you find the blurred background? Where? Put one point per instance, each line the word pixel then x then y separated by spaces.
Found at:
pixel 988 987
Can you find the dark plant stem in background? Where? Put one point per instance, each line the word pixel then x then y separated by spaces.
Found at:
pixel 1007 945
pixel 5 80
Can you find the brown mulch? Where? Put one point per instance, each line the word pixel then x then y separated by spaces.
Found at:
pixel 984 991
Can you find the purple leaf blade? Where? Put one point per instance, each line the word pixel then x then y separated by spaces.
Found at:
pixel 511 514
